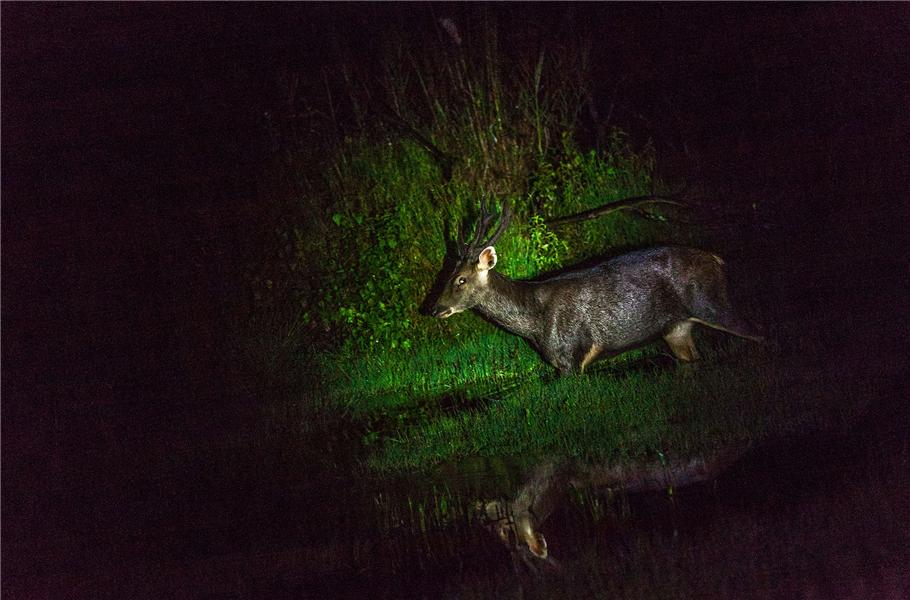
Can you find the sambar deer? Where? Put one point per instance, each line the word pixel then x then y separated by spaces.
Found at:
pixel 580 316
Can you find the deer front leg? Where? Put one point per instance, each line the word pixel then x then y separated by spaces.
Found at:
pixel 562 359
pixel 572 352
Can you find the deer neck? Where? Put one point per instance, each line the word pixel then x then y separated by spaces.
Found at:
pixel 511 304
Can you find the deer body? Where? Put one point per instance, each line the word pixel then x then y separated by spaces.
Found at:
pixel 577 317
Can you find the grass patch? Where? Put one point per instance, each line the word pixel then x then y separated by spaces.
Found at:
pixel 492 396
pixel 477 366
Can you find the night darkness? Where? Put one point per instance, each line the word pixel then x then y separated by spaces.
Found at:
pixel 195 288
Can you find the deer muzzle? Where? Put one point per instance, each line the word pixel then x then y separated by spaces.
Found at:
pixel 443 312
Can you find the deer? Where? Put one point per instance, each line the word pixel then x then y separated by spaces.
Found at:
pixel 583 315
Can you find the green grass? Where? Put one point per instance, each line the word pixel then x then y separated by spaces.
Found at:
pixel 478 365
pixel 492 396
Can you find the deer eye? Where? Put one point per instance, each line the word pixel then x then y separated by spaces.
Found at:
pixel 461 281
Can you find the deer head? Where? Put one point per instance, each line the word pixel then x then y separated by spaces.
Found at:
pixel 466 283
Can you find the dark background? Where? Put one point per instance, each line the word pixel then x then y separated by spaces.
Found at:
pixel 134 147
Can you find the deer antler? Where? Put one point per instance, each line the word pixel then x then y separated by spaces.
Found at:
pixel 483 228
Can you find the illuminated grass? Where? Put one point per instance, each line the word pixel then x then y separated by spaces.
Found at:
pixel 492 396
pixel 490 361
pixel 485 365
pixel 599 416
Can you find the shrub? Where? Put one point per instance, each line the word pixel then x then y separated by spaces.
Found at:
pixel 417 151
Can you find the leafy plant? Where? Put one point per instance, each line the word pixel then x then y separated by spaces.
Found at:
pixel 406 156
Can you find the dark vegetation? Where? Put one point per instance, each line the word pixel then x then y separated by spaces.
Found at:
pixel 219 225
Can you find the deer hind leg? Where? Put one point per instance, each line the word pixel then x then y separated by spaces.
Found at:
pixel 679 338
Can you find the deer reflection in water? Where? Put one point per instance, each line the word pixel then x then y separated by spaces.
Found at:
pixel 517 521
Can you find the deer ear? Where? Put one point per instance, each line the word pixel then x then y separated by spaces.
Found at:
pixel 487 259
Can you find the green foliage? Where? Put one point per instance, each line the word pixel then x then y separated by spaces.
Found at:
pixel 374 267
pixel 389 221
pixel 408 165
pixel 388 172
pixel 576 180
pixel 545 248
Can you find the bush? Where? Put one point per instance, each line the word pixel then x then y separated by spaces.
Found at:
pixel 411 161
